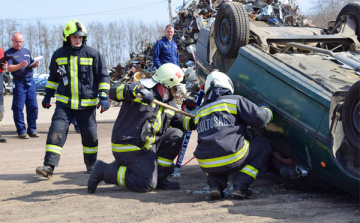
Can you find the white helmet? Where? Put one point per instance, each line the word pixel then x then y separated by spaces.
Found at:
pixel 169 75
pixel 218 79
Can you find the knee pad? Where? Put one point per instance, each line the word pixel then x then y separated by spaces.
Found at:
pixel 177 136
pixel 89 136
pixel 145 184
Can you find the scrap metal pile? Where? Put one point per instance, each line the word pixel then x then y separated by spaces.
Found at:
pixel 194 15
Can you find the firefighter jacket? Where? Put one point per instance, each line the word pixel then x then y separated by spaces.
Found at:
pixel 84 78
pixel 139 126
pixel 221 125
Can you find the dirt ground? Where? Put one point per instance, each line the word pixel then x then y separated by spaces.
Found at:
pixel 27 197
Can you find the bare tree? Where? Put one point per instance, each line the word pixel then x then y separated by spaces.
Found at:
pixel 11 27
pixel 114 40
pixel 324 11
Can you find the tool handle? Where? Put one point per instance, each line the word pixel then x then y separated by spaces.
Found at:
pixel 169 107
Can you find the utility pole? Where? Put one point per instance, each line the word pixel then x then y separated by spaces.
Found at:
pixel 170 12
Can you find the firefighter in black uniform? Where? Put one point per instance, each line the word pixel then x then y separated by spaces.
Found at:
pixel 79 76
pixel 143 145
pixel 222 149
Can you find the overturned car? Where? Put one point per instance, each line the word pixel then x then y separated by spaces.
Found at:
pixel 310 78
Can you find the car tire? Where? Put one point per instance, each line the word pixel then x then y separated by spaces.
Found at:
pixel 352 9
pixel 351 116
pixel 232 29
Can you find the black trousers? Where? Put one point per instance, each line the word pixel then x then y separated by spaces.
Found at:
pixel 245 174
pixel 141 172
pixel 58 131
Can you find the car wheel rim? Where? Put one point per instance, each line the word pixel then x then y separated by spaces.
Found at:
pixel 356 117
pixel 225 30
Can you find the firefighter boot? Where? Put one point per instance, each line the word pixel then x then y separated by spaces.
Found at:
pixel 216 190
pixel 45 171
pixel 3 139
pixel 241 193
pixel 96 176
pixel 162 182
pixel 89 168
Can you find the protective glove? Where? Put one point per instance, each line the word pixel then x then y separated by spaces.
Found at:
pixel 103 102
pixel 188 104
pixel 267 107
pixel 147 96
pixel 46 102
pixel 264 106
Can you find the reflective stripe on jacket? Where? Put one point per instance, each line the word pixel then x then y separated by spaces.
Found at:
pixel 126 134
pixel 221 126
pixel 86 76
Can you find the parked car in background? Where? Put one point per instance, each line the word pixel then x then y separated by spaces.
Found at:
pixel 40 86
pixel 309 76
pixel 41 77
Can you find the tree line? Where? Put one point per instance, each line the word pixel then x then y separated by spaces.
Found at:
pixel 323 11
pixel 114 40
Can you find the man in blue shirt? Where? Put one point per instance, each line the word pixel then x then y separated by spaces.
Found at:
pixel 24 91
pixel 165 50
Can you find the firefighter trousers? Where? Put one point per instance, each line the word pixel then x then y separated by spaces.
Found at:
pixel 245 174
pixel 58 131
pixel 141 172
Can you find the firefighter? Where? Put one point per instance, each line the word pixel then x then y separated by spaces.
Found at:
pixel 79 76
pixel 143 145
pixel 222 149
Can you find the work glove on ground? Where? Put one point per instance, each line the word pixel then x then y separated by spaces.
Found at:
pixel 188 104
pixel 147 96
pixel 46 102
pixel 103 102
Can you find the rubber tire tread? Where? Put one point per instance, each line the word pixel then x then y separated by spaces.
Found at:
pixel 353 9
pixel 351 99
pixel 240 28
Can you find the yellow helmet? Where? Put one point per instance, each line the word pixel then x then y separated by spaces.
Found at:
pixel 218 79
pixel 74 28
pixel 169 75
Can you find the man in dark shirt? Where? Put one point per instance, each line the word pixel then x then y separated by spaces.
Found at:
pixel 24 90
pixel 165 50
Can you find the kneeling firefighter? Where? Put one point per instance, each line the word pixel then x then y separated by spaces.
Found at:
pixel 222 148
pixel 79 77
pixel 143 145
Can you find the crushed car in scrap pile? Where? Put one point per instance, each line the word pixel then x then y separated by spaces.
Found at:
pixel 193 16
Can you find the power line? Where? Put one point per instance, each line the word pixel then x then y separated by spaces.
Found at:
pixel 130 9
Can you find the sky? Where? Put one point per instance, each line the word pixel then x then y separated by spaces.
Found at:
pixel 86 11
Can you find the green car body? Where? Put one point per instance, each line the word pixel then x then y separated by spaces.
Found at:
pixel 306 92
